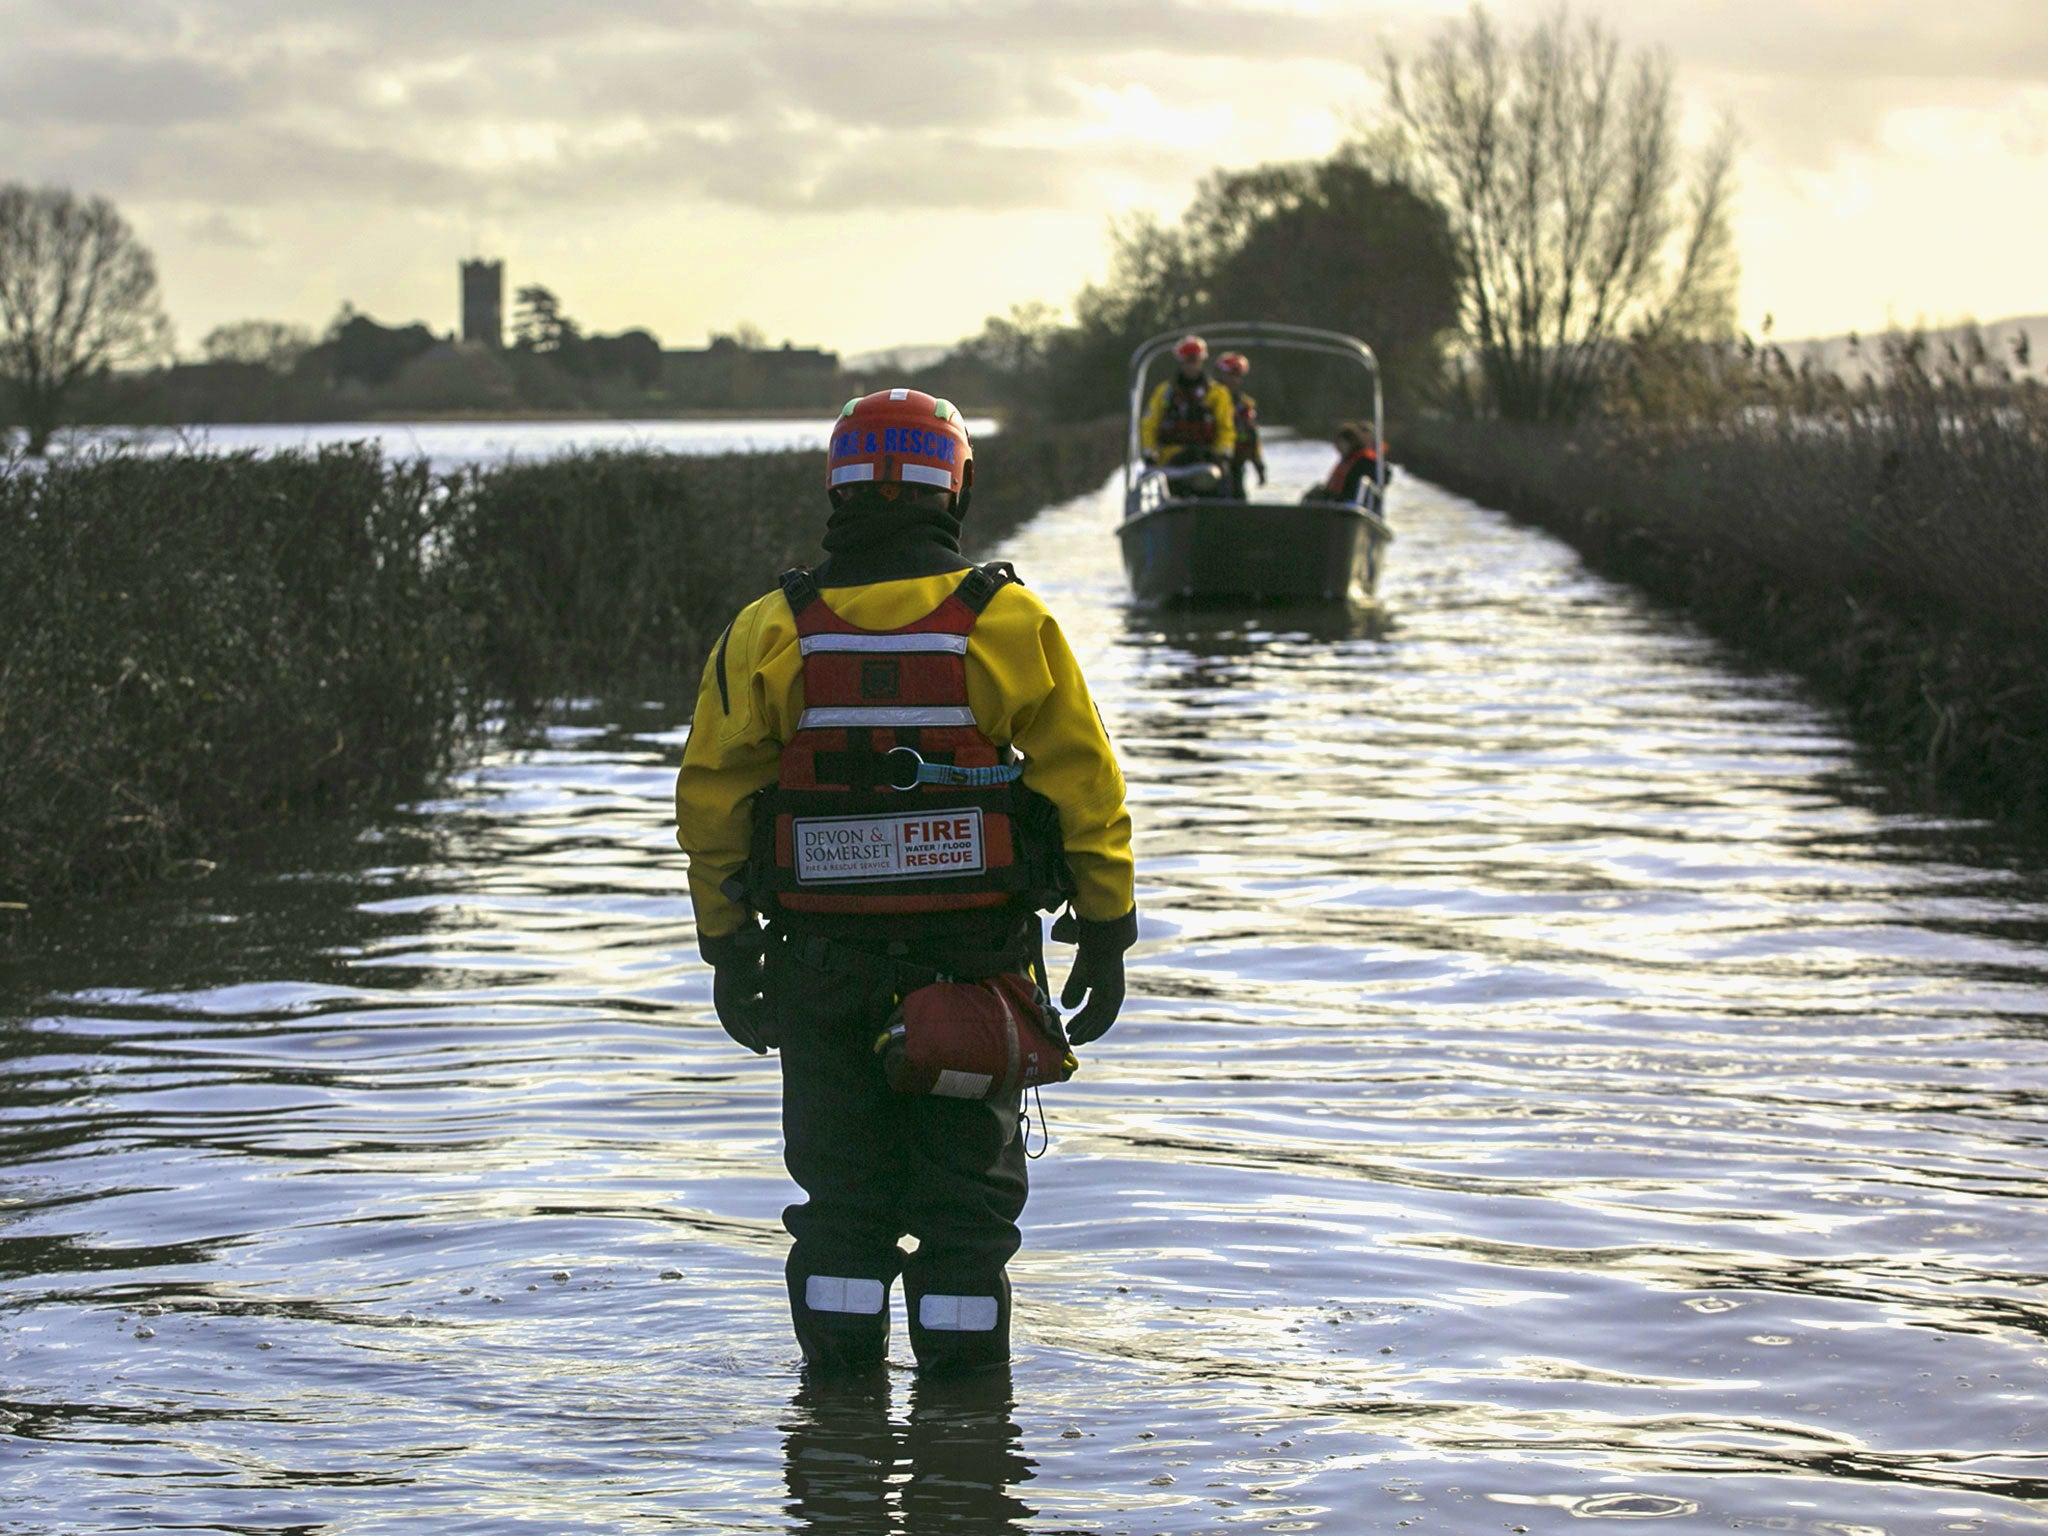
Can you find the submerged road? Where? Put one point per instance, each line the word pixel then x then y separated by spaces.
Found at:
pixel 1557 1086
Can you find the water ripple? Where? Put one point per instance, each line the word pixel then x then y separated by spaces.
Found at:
pixel 1558 1086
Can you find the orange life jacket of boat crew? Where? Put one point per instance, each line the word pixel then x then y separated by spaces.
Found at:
pixel 1365 459
pixel 1187 418
pixel 890 799
pixel 1247 424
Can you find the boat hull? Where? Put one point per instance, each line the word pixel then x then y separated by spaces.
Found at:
pixel 1202 550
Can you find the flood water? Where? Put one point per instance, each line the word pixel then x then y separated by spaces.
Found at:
pixel 451 445
pixel 1556 1088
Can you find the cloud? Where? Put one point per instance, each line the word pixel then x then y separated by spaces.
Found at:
pixel 1827 42
pixel 775 169
pixel 223 229
pixel 74 86
pixel 1810 82
pixel 234 168
pixel 902 103
pixel 497 108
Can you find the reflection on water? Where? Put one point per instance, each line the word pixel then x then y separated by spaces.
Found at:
pixel 451 445
pixel 1556 1088
pixel 952 1464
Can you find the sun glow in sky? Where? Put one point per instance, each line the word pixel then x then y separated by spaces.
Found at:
pixel 875 172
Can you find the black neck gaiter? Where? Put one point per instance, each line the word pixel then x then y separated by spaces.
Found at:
pixel 869 540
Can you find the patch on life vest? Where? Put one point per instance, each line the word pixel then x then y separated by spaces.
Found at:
pixel 878 679
pixel 831 849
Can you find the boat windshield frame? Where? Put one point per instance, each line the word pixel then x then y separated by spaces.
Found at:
pixel 1254 333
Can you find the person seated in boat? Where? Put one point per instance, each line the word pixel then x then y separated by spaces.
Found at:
pixel 1355 478
pixel 1189 422
pixel 1232 367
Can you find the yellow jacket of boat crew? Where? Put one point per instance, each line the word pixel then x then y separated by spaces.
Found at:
pixel 1023 685
pixel 1215 401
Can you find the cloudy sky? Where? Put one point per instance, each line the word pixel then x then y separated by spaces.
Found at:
pixel 871 172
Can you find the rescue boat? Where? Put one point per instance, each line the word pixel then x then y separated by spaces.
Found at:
pixel 1180 545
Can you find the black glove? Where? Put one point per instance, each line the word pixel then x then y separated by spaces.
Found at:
pixel 738 980
pixel 1260 466
pixel 1098 971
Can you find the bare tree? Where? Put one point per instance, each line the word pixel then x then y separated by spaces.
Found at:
pixel 78 294
pixel 1578 223
pixel 273 344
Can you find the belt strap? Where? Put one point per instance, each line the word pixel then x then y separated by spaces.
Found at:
pixel 969 778
pixel 902 975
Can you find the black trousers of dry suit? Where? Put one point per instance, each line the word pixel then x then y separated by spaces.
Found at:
pixel 876 1165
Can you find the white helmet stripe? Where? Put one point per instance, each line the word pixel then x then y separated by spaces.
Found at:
pixel 846 472
pixel 924 474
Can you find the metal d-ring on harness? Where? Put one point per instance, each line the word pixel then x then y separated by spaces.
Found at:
pixel 922 772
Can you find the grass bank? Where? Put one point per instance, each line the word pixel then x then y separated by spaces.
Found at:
pixel 1888 543
pixel 192 646
pixel 615 572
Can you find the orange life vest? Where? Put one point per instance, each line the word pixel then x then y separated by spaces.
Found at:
pixel 1333 488
pixel 1187 418
pixel 889 798
pixel 1247 424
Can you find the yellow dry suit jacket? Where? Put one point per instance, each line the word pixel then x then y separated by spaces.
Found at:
pixel 1023 685
pixel 1222 412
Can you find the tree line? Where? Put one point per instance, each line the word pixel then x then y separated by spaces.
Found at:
pixel 1520 232
pixel 552 364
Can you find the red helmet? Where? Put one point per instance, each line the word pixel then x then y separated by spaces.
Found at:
pixel 1191 349
pixel 899 437
pixel 1233 365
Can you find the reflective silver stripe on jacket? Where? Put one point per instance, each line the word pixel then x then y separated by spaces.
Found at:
pixel 956 644
pixel 854 717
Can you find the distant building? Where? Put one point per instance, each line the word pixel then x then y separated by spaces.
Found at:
pixel 728 374
pixel 483 303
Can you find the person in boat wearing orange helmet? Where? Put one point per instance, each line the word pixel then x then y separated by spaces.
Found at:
pixel 1355 476
pixel 1190 419
pixel 1231 369
pixel 894 765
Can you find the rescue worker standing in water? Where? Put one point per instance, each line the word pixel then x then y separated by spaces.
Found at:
pixel 1232 367
pixel 895 762
pixel 1190 418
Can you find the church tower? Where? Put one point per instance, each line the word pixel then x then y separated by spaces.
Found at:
pixel 483 303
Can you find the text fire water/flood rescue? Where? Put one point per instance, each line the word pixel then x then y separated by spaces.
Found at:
pixel 883 847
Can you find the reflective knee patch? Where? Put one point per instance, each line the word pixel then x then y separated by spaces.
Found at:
pixel 846 1293
pixel 958 1314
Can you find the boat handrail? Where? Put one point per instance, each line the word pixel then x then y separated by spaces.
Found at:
pixel 1226 333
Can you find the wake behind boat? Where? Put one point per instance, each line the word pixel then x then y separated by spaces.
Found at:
pixel 1186 537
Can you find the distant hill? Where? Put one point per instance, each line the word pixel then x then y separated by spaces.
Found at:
pixel 905 359
pixel 1857 358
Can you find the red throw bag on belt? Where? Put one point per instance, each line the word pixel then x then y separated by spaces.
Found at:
pixel 974 1040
